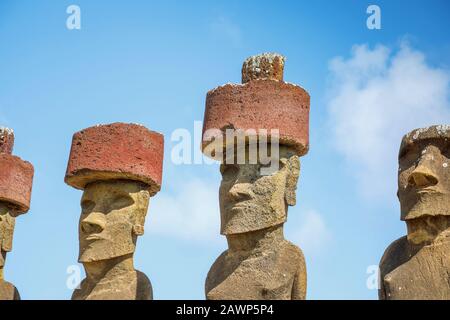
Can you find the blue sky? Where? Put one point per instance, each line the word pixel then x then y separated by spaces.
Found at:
pixel 153 62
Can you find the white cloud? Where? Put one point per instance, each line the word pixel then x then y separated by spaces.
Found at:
pixel 190 213
pixel 375 97
pixel 225 28
pixel 312 235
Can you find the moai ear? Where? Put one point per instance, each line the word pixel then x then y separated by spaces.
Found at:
pixel 8 233
pixel 138 230
pixel 293 167
pixel 142 202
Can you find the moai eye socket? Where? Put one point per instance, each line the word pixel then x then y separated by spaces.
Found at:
pixel 408 156
pixel 229 170
pixel 121 201
pixel 445 150
pixel 87 206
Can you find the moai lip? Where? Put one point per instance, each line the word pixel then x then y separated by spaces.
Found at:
pixel 417 266
pixel 260 264
pixel 119 167
pixel 262 103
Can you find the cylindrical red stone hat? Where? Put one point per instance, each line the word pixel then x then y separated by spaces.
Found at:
pixel 116 151
pixel 16 175
pixel 261 104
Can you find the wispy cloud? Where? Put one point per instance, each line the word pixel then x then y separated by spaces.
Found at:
pixel 190 213
pixel 312 235
pixel 375 97
pixel 227 29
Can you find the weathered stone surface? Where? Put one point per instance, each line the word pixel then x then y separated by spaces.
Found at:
pixel 112 217
pixel 418 266
pixel 119 167
pixel 116 151
pixel 259 265
pixel 8 291
pixel 260 104
pixel 6 140
pixel 259 262
pixel 250 201
pixel 7 223
pixel 259 182
pixel 16 181
pixel 264 66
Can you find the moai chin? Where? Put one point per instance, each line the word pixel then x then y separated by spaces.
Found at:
pixel 16 180
pixel 118 167
pixel 259 263
pixel 417 266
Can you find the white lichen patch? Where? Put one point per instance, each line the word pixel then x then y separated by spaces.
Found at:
pixel 254 63
pixel 420 131
pixel 445 165
pixel 4 131
pixel 295 85
pixel 443 129
pixel 229 84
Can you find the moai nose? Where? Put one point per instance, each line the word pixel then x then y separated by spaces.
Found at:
pixel 94 223
pixel 239 191
pixel 263 66
pixel 6 140
pixel 422 177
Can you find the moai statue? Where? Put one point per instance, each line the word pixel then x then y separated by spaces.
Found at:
pixel 417 266
pixel 118 167
pixel 16 180
pixel 255 193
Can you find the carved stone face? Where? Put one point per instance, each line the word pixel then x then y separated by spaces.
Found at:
pixel 113 215
pixel 7 223
pixel 251 201
pixel 424 187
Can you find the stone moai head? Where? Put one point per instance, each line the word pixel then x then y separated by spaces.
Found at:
pixel 258 130
pixel 251 200
pixel 7 223
pixel 16 180
pixel 424 182
pixel 118 167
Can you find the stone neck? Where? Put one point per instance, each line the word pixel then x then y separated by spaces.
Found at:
pixel 108 269
pixel 3 258
pixel 255 240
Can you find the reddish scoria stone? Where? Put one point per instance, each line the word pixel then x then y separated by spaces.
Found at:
pixel 116 151
pixel 259 104
pixel 16 181
pixel 6 140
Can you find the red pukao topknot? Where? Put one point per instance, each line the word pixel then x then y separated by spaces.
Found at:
pixel 16 175
pixel 262 104
pixel 118 151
